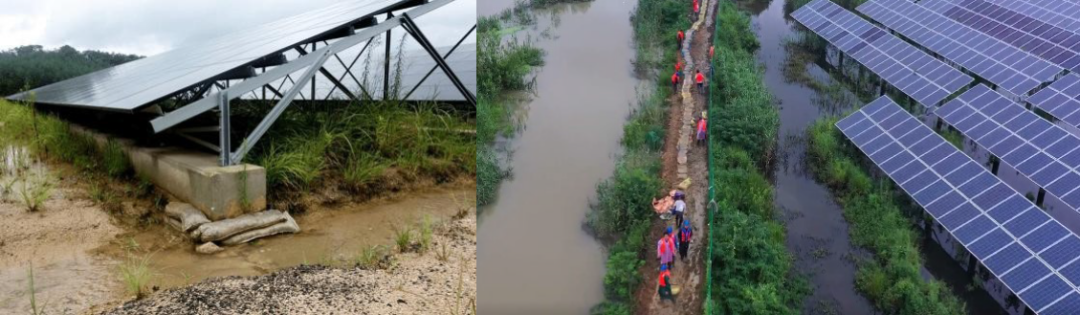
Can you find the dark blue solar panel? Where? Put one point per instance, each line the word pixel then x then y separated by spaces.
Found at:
pixel 1062 146
pixel 1044 236
pixel 1035 129
pixel 1061 99
pixel 1072 199
pixel 975 228
pixel 1026 274
pixel 932 192
pixel 1026 222
pixel 993 137
pixel 1065 306
pixel 1043 293
pixel 980 183
pixel 1064 183
pixel 863 138
pixel 1007 258
pixel 1049 173
pixel 917 74
pixel 1049 137
pixel 990 243
pixel 1063 252
pixel 1009 67
pixel 1071 159
pixel 1020 153
pixel 994 222
pixel 1007 145
pixel 946 203
pixel 1009 208
pixel 1034 163
pixel 849 121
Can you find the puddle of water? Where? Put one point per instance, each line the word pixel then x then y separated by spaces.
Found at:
pixel 535 257
pixel 329 235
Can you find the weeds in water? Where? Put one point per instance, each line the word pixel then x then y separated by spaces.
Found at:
pixel 374 257
pixel 135 274
pixel 403 237
pixel 426 230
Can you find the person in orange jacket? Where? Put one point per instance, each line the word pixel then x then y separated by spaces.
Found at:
pixel 700 79
pixel 679 36
pixel 664 284
pixel 701 130
pixel 675 82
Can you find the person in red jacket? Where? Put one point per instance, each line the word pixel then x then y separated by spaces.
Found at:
pixel 700 79
pixel 664 285
pixel 675 82
pixel 701 129
pixel 710 52
pixel 679 36
pixel 678 69
pixel 684 238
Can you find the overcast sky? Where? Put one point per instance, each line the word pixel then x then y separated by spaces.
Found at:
pixel 149 27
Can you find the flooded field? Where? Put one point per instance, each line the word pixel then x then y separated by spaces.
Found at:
pixel 536 255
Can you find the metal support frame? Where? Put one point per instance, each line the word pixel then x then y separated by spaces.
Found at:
pixel 386 61
pixel 414 30
pixel 330 76
pixel 447 55
pixel 312 62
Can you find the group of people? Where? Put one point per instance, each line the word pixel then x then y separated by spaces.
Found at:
pixel 676 77
pixel 672 241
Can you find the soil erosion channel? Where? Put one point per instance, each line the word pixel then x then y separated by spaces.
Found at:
pixel 536 257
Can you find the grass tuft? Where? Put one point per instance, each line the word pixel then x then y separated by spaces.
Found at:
pixel 135 274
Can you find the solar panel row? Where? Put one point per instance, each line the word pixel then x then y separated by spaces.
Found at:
pixel 914 72
pixel 1037 37
pixel 1061 99
pixel 130 86
pixel 1032 254
pixel 1009 67
pixel 1035 147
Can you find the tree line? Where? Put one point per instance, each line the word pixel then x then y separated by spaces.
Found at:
pixel 34 66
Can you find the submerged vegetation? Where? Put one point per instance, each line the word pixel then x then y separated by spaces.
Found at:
pixel 503 64
pixel 752 271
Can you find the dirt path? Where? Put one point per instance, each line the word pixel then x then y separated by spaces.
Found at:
pixel 682 159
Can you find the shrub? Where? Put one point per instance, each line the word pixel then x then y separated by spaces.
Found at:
pixel 626 197
pixel 135 273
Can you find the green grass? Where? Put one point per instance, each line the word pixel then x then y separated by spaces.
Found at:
pixel 751 270
pixel 34 190
pixel 135 274
pixel 403 238
pixel 35 309
pixel 425 231
pixel 374 257
pixel 504 62
pixel 876 212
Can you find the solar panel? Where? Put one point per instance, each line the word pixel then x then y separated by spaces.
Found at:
pixel 1038 149
pixel 1008 67
pixel 1031 253
pixel 914 72
pixel 1061 99
pixel 1063 14
pixel 132 85
pixel 1042 39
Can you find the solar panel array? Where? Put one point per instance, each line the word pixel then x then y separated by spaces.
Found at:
pixel 1063 14
pixel 1061 99
pixel 916 73
pixel 1035 147
pixel 1040 38
pixel 132 85
pixel 1033 255
pixel 1014 70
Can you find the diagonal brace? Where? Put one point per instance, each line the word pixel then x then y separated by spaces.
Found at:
pixel 410 26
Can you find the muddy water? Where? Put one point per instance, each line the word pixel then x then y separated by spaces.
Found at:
pixel 535 257
pixel 817 232
pixel 329 236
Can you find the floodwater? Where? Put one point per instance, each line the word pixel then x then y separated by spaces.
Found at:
pixel 817 231
pixel 535 255
pixel 330 235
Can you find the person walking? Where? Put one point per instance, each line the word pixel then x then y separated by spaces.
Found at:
pixel 679 209
pixel 700 81
pixel 675 83
pixel 664 285
pixel 665 249
pixel 701 130
pixel 685 233
pixel 679 36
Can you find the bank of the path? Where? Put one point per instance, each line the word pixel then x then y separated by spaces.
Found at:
pixel 683 159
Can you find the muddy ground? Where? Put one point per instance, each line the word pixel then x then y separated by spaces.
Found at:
pixel 418 284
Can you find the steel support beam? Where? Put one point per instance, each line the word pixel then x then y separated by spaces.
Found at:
pixel 335 81
pixel 348 71
pixel 275 112
pixel 224 136
pixel 386 62
pixel 447 55
pixel 198 107
pixel 410 26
